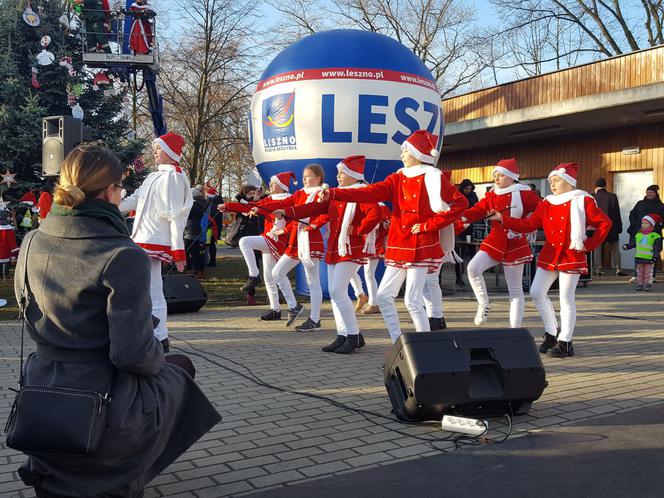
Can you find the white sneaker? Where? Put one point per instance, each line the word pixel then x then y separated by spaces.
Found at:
pixel 482 314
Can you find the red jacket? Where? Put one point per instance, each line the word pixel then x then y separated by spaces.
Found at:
pixel 555 220
pixel 8 246
pixel 381 234
pixel 276 243
pixel 316 247
pixel 410 205
pixel 367 216
pixel 497 244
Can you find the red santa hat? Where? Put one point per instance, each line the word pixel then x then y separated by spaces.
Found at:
pixel 508 168
pixel 353 166
pixel 422 146
pixel 210 191
pixel 283 179
pixel 566 171
pixel 171 144
pixel 28 198
pixel 652 218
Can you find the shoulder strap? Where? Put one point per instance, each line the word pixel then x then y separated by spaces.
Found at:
pixel 23 303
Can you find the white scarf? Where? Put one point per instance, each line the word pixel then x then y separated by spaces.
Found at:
pixel 278 224
pixel 343 244
pixel 370 239
pixel 516 204
pixel 577 215
pixel 432 181
pixel 303 250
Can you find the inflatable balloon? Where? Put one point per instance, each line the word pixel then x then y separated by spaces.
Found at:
pixel 339 93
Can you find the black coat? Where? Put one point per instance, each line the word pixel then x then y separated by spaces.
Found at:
pixel 193 229
pixel 608 202
pixel 90 289
pixel 642 208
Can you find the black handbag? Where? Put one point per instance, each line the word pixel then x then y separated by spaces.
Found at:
pixel 56 420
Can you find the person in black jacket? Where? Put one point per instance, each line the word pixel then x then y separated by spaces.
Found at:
pixel 467 188
pixel 214 199
pixel 194 236
pixel 608 202
pixel 650 204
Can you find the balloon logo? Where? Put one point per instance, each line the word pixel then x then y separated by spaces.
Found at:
pixel 279 115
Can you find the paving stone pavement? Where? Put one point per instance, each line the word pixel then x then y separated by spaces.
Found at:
pixel 270 438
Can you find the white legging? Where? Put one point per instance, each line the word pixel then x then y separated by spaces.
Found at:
pixel 158 299
pixel 480 263
pixel 311 271
pixel 567 289
pixel 356 283
pixel 433 295
pixel 258 243
pixel 390 285
pixel 338 277
pixel 370 279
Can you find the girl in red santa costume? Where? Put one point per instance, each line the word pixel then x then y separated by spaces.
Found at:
pixel 305 245
pixel 349 224
pixel 162 204
pixel 8 246
pixel 502 246
pixel 272 244
pixel 423 202
pixel 563 216
pixel 376 241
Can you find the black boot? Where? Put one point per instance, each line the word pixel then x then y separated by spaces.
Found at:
pixel 549 342
pixel 251 284
pixel 330 348
pixel 437 324
pixel 351 344
pixel 562 350
pixel 270 315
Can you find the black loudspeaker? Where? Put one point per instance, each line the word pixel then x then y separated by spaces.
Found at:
pixel 466 372
pixel 60 134
pixel 183 293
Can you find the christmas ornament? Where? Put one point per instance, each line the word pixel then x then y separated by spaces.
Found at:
pixel 70 21
pixel 33 81
pixel 77 112
pixel 100 79
pixel 77 89
pixel 76 6
pixel 45 41
pixel 139 165
pixel 8 178
pixel 66 63
pixel 30 17
pixel 45 58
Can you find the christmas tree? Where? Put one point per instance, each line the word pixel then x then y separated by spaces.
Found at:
pixel 41 74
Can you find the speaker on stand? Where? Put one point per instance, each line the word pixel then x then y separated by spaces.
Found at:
pixel 60 134
pixel 472 372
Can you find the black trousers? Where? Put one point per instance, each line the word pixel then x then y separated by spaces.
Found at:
pixel 195 255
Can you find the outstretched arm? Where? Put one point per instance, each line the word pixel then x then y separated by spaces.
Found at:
pixel 376 192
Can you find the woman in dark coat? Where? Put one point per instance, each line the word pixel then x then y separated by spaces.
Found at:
pixel 650 204
pixel 89 312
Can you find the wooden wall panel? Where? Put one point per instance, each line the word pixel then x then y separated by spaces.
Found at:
pixel 598 154
pixel 625 71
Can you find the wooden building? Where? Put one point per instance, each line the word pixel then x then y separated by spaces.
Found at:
pixel 608 116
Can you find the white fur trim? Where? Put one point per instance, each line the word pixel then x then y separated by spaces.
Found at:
pixel 342 167
pixel 167 149
pixel 563 174
pixel 506 172
pixel 410 148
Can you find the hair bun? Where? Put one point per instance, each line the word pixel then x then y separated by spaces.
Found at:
pixel 68 196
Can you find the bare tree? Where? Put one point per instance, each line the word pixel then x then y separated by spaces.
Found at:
pixel 206 79
pixel 442 33
pixel 605 27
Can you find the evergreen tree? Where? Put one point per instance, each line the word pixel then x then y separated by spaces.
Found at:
pixel 23 105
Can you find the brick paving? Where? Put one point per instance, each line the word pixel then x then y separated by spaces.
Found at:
pixel 270 438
